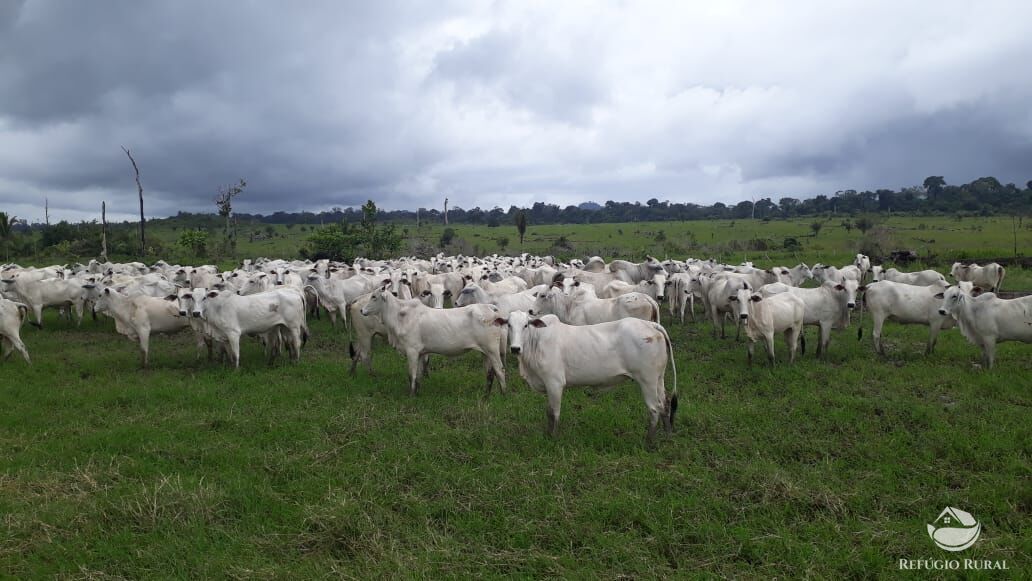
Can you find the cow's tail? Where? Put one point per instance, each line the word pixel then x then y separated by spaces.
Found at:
pixel 672 407
pixel 23 312
pixel 1000 272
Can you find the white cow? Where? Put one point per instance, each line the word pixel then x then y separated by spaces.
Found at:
pixel 12 314
pixel 554 356
pixel 863 263
pixel 335 294
pixel 906 304
pixel 581 307
pixel 138 316
pixel 765 316
pixel 474 294
pixel 47 292
pixel 985 319
pixel 277 315
pixel 823 273
pixel 717 292
pixel 989 276
pixel 827 306
pixel 920 278
pixel 418 331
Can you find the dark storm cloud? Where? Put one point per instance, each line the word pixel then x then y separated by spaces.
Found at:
pixel 319 104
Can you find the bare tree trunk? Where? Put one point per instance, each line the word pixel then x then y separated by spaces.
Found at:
pixel 446 211
pixel 103 231
pixel 139 187
pixel 46 211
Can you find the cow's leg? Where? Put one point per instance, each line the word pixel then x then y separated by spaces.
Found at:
pixel 749 349
pixel 17 344
pixel 792 341
pixel 769 343
pixel 415 362
pixel 716 322
pixel 295 343
pixel 233 345
pixel 876 332
pixel 933 336
pixel 78 314
pixel 333 318
pixel 822 348
pixel 37 311
pixel 495 368
pixel 654 395
pixel 425 367
pixel 143 335
pixel 555 401
pixel 988 352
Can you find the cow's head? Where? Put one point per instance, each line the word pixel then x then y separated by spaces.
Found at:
pixel 740 301
pixel 377 300
pixel 518 323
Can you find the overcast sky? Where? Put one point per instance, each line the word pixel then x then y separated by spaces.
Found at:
pixel 320 104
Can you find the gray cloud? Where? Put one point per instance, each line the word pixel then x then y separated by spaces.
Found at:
pixel 323 103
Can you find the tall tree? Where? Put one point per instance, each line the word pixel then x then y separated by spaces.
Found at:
pixel 933 185
pixel 224 203
pixel 7 224
pixel 139 188
pixel 521 224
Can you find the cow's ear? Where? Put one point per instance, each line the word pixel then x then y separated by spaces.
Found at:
pixel 107 291
pixel 940 295
pixel 977 291
pixel 756 298
pixel 861 288
pixel 188 296
pixel 171 298
pixel 500 322
pixel 668 283
pixel 576 283
pixel 839 287
pixel 538 323
pixel 649 282
pixel 385 281
pixel 732 298
pixel 424 293
pixel 212 294
pixel 446 293
pixel 87 285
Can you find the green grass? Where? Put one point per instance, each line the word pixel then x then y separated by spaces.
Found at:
pixel 193 470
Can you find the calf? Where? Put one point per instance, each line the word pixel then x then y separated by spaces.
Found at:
pixel 985 319
pixel 418 330
pixel 554 356
pixel 12 314
pixel 765 316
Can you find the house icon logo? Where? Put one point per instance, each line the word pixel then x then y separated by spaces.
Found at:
pixel 954 530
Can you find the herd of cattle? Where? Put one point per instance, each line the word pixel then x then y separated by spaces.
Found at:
pixel 586 323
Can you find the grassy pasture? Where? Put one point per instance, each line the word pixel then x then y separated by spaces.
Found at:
pixel 189 469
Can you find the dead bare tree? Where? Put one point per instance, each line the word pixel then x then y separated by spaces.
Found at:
pixel 103 231
pixel 446 211
pixel 224 203
pixel 46 211
pixel 139 187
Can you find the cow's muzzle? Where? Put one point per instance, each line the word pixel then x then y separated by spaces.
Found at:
pixel 851 305
pixel 743 316
pixel 515 349
pixel 942 311
pixel 182 313
pixel 196 315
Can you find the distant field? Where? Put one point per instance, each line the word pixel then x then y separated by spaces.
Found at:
pixel 818 469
